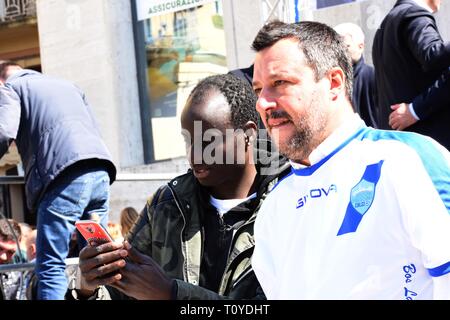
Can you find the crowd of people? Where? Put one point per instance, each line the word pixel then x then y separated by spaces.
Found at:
pixel 346 211
pixel 17 245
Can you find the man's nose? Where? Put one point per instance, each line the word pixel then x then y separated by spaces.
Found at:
pixel 265 102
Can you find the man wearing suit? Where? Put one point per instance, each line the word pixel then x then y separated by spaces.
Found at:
pixel 409 55
pixel 364 91
pixel 434 99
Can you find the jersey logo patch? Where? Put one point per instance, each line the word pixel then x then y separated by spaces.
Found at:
pixel 361 198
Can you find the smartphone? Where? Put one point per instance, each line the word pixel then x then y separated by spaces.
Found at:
pixel 93 232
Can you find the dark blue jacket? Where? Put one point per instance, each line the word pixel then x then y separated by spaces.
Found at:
pixel 364 93
pixel 56 129
pixel 435 98
pixel 409 55
pixel 431 105
pixel 244 73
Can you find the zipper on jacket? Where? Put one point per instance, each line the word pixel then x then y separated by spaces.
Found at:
pixel 183 245
pixel 233 241
pixel 223 229
pixel 242 276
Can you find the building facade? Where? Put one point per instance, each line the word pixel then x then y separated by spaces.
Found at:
pixel 138 60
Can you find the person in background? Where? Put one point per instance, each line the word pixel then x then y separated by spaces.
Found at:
pixel 74 248
pixel 30 277
pixel 364 91
pixel 194 238
pixel 409 55
pixel 25 230
pixel 365 213
pixel 434 99
pixel 12 286
pixel 10 236
pixel 244 73
pixel 115 231
pixel 68 168
pixel 31 246
pixel 128 217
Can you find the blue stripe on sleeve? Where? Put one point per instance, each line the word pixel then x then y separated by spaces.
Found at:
pixel 440 271
pixel 434 162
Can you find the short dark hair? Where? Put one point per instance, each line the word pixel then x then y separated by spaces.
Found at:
pixel 6 233
pixel 322 46
pixel 4 65
pixel 239 94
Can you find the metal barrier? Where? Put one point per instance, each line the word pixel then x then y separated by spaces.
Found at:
pixel 16 267
pixel 72 263
pixel 72 273
pixel 28 266
pixel 11 180
pixel 119 177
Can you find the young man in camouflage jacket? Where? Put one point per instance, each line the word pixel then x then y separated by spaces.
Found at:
pixel 194 238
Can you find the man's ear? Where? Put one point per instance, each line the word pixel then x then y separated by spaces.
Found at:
pixel 337 82
pixel 250 130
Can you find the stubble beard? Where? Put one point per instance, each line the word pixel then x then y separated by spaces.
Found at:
pixel 310 128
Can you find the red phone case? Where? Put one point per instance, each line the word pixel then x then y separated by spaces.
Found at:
pixel 93 232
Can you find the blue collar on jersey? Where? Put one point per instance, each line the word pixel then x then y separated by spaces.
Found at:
pixel 311 169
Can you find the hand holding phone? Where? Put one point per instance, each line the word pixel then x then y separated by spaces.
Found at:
pixel 93 232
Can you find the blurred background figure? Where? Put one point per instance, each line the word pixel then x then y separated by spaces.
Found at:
pixel 10 236
pixel 74 248
pixel 25 230
pixel 364 87
pixel 67 166
pixel 31 280
pixel 12 286
pixel 31 246
pixel 434 99
pixel 410 57
pixel 244 73
pixel 127 218
pixel 115 232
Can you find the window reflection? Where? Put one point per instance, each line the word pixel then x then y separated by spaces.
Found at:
pixel 181 48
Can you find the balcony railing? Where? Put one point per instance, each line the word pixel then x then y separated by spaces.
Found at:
pixel 16 10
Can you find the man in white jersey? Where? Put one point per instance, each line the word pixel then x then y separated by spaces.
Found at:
pixel 364 213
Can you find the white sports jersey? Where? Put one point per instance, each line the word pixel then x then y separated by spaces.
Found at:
pixel 369 219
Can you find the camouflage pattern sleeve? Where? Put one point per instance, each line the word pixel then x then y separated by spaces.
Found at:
pixel 140 235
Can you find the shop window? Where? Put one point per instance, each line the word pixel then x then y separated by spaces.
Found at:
pixel 181 47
